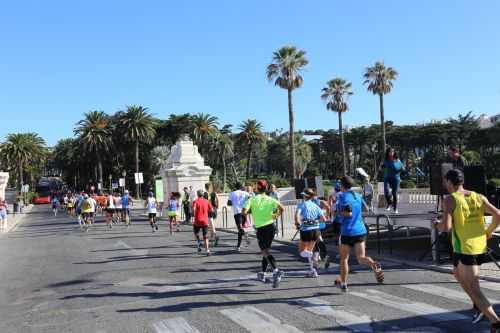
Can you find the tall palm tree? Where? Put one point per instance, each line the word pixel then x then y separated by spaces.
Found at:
pixel 205 128
pixel 380 82
pixel 23 149
pixel 251 134
pixel 94 132
pixel 137 125
pixel 288 62
pixel 335 95
pixel 224 146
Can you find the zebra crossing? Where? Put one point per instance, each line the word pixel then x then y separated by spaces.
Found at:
pixel 343 318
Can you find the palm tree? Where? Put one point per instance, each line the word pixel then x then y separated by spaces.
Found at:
pixel 224 146
pixel 335 95
pixel 205 127
pixel 137 125
pixel 379 80
pixel 251 134
pixel 23 149
pixel 95 134
pixel 285 70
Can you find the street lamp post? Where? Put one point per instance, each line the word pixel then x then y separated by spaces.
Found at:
pixel 110 184
pixel 124 174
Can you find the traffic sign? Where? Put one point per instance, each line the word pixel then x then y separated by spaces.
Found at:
pixel 138 178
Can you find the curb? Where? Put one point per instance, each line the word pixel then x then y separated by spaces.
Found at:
pixel 18 219
pixel 389 259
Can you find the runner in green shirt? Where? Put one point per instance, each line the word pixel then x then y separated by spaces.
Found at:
pixel 264 211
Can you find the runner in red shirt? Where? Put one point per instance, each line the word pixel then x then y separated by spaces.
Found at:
pixel 201 208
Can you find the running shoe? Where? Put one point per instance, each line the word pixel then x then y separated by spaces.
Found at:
pixel 388 208
pixel 277 275
pixel 261 276
pixel 396 211
pixel 238 249
pixel 156 227
pixel 477 316
pixel 313 274
pixel 209 253
pixel 342 286
pixel 377 270
pixel 199 248
pixel 327 261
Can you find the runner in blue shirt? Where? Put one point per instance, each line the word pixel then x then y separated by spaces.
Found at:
pixel 126 203
pixel 353 233
pixel 308 217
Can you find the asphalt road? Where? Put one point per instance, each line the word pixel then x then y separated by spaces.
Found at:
pixel 55 278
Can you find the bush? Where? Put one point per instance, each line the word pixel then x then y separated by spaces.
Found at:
pixel 494 181
pixel 408 184
pixel 423 185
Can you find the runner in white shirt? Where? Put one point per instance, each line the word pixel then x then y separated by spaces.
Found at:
pixel 152 205
pixel 237 200
pixel 118 207
pixel 110 210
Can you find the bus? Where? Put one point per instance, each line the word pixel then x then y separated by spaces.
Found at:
pixel 46 188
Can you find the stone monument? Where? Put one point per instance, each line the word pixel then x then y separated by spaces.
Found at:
pixel 4 180
pixel 184 167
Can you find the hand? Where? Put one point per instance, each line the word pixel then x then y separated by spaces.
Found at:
pixel 297 225
pixel 435 222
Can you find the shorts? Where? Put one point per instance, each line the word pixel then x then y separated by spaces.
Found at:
pixel 151 215
pixel 310 235
pixel 204 230
pixel 265 236
pixel 110 210
pixel 88 215
pixel 212 215
pixel 469 259
pixel 172 213
pixel 352 240
pixel 240 220
pixel 3 214
pixel 125 211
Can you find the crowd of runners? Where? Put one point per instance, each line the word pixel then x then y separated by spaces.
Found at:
pixel 258 206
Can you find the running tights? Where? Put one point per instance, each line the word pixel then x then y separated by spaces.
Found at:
pixel 321 248
pixel 269 260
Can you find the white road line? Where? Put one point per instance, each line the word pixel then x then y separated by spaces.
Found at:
pixel 449 293
pixel 428 311
pixel 173 325
pixel 256 321
pixel 490 285
pixel 354 322
pixel 132 250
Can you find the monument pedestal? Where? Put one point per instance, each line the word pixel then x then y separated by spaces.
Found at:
pixel 185 167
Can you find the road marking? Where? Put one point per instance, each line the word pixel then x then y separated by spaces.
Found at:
pixel 256 321
pixel 354 322
pixel 132 250
pixel 449 293
pixel 174 325
pixel 428 311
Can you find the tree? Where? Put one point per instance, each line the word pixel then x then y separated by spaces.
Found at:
pixel 205 128
pixel 21 150
pixel 224 146
pixel 138 126
pixel 95 134
pixel 335 95
pixel 380 82
pixel 251 134
pixel 462 128
pixel 288 62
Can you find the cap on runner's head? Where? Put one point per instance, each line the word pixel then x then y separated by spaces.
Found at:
pixel 126 192
pixel 151 194
pixel 261 185
pixel 308 193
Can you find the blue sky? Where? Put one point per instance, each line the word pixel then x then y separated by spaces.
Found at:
pixel 59 59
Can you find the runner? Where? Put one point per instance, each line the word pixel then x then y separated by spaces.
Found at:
pixel 186 205
pixel 334 217
pixel 118 207
pixel 353 233
pixel 65 201
pixel 78 209
pixel 463 215
pixel 152 205
pixel 172 212
pixel 265 210
pixel 71 205
pixel 55 205
pixel 110 210
pixel 87 209
pixel 3 214
pixel 237 200
pixel 126 203
pixel 307 219
pixel 392 167
pixel 201 209
pixel 212 196
pixel 320 246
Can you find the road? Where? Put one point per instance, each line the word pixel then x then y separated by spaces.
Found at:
pixel 55 278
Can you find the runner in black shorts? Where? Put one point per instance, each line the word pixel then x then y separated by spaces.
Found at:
pixel 265 210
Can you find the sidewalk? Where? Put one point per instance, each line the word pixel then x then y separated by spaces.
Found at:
pixel 14 219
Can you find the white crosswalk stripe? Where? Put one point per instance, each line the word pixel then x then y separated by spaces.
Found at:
pixel 456 295
pixel 256 321
pixel 428 311
pixel 173 325
pixel 353 321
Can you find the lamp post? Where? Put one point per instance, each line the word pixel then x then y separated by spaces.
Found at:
pixel 110 183
pixel 124 174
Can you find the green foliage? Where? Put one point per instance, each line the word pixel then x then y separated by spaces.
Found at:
pixel 408 184
pixel 494 181
pixel 473 157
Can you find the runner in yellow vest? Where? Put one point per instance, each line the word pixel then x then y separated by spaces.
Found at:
pixel 463 215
